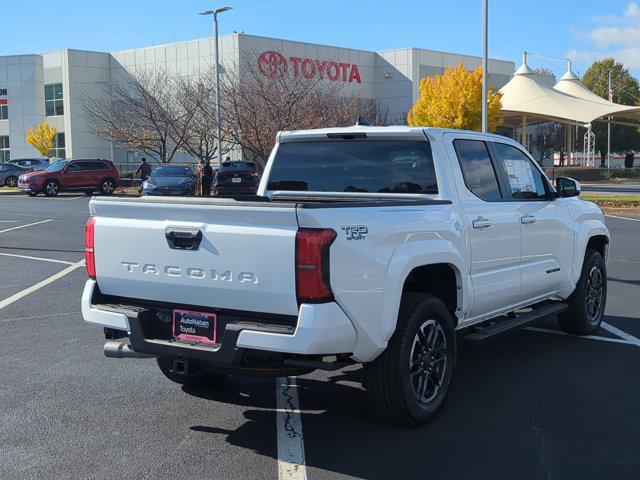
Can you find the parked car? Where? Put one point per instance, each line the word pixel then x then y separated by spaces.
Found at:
pixel 35 164
pixel 382 246
pixel 235 178
pixel 10 173
pixel 170 180
pixel 87 175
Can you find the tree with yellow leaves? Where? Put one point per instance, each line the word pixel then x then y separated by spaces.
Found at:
pixel 41 137
pixel 454 100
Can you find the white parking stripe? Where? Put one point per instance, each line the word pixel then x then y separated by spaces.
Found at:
pixel 23 226
pixel 291 462
pixel 590 337
pixel 27 291
pixel 52 260
pixel 624 218
pixel 616 331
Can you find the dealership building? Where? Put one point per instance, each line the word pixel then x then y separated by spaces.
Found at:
pixel 49 85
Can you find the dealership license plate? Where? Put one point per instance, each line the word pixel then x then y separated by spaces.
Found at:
pixel 236 180
pixel 194 326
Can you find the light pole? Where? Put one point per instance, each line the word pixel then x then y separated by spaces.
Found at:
pixel 609 124
pixel 485 15
pixel 217 66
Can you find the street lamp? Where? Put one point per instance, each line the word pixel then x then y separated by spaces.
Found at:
pixel 485 15
pixel 215 35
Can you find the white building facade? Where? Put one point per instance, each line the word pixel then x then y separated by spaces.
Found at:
pixel 49 85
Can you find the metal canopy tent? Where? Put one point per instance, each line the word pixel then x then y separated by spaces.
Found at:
pixel 525 100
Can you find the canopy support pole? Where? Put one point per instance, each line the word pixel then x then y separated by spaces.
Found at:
pixel 524 136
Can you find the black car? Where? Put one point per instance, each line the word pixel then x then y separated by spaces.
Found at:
pixel 236 178
pixel 170 180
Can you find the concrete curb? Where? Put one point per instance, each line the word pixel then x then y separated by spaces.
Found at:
pixel 11 192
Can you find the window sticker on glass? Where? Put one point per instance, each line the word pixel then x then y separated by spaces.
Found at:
pixel 520 175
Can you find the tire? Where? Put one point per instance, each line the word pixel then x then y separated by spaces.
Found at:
pixel 198 380
pixel 11 182
pixel 399 396
pixel 107 186
pixel 588 300
pixel 51 188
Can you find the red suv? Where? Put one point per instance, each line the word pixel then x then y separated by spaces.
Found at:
pixel 84 175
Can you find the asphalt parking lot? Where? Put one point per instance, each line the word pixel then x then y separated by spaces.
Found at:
pixel 535 404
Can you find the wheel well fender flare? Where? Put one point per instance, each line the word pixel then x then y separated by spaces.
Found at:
pixel 588 230
pixel 404 261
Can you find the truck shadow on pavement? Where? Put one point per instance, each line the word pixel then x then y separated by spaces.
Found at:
pixel 530 404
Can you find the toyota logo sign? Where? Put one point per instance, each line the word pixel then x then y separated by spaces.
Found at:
pixel 272 64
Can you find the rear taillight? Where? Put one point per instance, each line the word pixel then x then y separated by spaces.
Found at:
pixel 89 248
pixel 312 265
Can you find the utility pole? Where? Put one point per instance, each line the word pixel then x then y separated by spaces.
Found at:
pixel 485 15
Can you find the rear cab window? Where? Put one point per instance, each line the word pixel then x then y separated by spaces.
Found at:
pixel 477 168
pixel 360 166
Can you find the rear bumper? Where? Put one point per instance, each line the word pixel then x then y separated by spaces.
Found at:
pixel 321 329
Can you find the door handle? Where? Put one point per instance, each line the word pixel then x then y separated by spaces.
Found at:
pixel 481 222
pixel 528 219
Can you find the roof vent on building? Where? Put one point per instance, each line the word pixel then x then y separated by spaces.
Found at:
pixel 362 122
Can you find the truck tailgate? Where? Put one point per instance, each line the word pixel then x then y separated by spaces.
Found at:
pixel 245 259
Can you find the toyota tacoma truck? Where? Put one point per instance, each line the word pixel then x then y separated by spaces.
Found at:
pixel 381 246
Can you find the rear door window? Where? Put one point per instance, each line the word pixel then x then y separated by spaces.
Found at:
pixel 477 169
pixel 367 166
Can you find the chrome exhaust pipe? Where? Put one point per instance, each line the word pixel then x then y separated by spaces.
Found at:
pixel 114 349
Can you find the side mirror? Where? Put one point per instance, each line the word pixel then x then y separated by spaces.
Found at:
pixel 567 187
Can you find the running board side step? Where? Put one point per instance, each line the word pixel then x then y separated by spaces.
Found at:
pixel 516 322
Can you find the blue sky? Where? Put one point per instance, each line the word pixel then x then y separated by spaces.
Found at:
pixel 586 29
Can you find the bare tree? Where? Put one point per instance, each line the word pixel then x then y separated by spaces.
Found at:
pixel 548 140
pixel 257 106
pixel 198 97
pixel 143 111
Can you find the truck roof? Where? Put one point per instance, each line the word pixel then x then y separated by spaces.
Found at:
pixel 392 131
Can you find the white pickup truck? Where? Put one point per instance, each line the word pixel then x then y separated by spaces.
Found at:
pixel 375 245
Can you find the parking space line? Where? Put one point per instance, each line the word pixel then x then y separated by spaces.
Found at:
pixel 39 317
pixel 624 218
pixel 23 226
pixel 589 337
pixel 616 331
pixel 27 291
pixel 27 257
pixel 291 459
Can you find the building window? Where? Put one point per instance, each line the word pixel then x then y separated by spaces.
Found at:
pixel 58 150
pixel 4 112
pixel 53 100
pixel 4 149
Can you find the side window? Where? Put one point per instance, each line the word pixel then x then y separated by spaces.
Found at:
pixel 525 179
pixel 74 167
pixel 477 169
